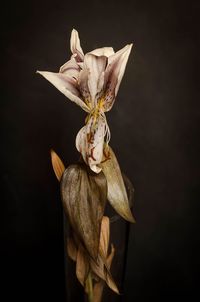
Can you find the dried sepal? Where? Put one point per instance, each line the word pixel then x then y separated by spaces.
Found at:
pixel 117 195
pixel 84 195
pixel 57 164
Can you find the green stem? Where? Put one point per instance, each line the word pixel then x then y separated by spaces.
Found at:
pixel 90 287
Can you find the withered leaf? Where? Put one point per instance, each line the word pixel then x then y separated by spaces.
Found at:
pixel 110 256
pixel 117 195
pixel 71 249
pixel 57 164
pixel 84 195
pixel 82 265
pixel 104 242
pixel 105 235
pixel 101 267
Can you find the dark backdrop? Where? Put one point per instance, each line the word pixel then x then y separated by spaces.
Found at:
pixel 154 126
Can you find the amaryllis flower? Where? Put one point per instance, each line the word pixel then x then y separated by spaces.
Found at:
pixel 92 82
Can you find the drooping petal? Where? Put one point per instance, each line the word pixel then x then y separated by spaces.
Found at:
pixel 76 46
pixel 96 66
pixel 114 74
pixel 104 51
pixel 117 195
pixel 90 141
pixel 66 85
pixel 71 69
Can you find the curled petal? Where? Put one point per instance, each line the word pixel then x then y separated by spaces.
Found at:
pixel 114 74
pixel 71 69
pixel 66 85
pixel 76 46
pixel 90 142
pixel 104 51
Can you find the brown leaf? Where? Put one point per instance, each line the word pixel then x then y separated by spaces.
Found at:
pixel 71 249
pixel 98 291
pixel 82 265
pixel 84 195
pixel 98 287
pixel 105 235
pixel 57 164
pixel 110 256
pixel 117 194
pixel 101 267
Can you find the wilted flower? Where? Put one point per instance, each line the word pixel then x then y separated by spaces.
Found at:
pixel 92 82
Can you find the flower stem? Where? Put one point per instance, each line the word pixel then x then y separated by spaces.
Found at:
pixel 90 287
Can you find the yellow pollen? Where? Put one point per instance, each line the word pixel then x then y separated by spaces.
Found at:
pixel 96 111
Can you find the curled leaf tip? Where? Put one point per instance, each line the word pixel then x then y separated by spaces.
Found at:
pixel 117 194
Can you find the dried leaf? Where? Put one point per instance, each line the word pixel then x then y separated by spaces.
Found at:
pixel 98 291
pixel 101 267
pixel 110 256
pixel 57 164
pixel 84 195
pixel 105 235
pixel 117 194
pixel 98 287
pixel 71 249
pixel 82 265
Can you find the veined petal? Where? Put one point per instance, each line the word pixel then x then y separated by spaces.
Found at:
pixel 66 85
pixel 90 142
pixel 96 66
pixel 70 68
pixel 83 87
pixel 114 74
pixel 104 51
pixel 76 46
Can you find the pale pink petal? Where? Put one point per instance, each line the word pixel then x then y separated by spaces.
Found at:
pixel 114 74
pixel 104 51
pixel 90 142
pixel 76 46
pixel 83 87
pixel 66 85
pixel 96 66
pixel 70 68
pixel 82 144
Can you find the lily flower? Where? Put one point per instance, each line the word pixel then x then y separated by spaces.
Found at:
pixel 91 81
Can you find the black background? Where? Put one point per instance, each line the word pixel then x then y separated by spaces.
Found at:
pixel 154 126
